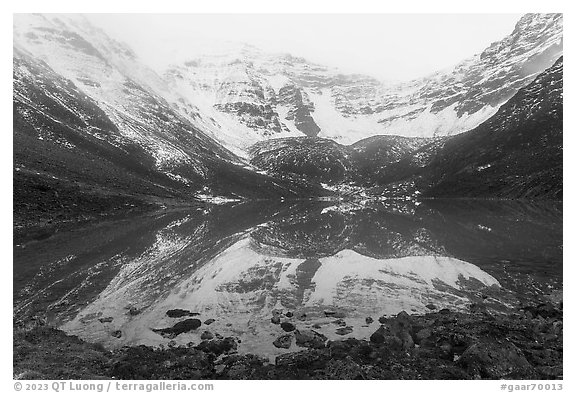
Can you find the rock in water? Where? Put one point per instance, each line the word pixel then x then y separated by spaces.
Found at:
pixel 209 321
pixel 344 330
pixel 283 341
pixel 179 313
pixel 310 339
pixel 339 322
pixel 181 327
pixel 287 326
pixel 275 319
pixel 206 336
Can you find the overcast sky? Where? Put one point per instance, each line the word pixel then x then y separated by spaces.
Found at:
pixel 387 46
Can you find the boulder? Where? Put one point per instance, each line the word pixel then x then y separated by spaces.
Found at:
pixel 179 328
pixel 344 330
pixel 310 339
pixel 308 360
pixel 275 319
pixel 218 347
pixel 283 341
pixel 206 335
pixel 179 313
pixel 496 360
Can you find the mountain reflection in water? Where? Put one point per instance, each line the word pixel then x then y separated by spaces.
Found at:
pixel 236 264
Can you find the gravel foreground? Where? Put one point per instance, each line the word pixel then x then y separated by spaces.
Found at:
pixel 525 343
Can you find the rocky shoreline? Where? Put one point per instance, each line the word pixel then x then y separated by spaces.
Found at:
pixel 524 343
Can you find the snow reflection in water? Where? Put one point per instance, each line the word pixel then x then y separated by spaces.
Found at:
pixel 238 264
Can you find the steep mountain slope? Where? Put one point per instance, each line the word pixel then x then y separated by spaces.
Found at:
pixel 517 153
pixel 263 96
pixel 325 161
pixel 317 159
pixel 85 129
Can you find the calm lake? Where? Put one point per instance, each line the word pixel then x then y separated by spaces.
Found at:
pixel 114 282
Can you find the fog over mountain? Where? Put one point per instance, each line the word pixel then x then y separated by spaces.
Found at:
pixel 384 46
pixel 243 211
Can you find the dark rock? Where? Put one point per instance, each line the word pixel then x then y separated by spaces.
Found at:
pixel 179 313
pixel 206 335
pixel 287 326
pixel 544 310
pixel 382 319
pixel 334 314
pixel 307 360
pixel 116 333
pixel 209 321
pixel 444 311
pixel 310 339
pixel 423 334
pixel 431 306
pixel 218 347
pixel 344 330
pixel 495 360
pixel 179 328
pixel 404 317
pixel 134 311
pixel 406 339
pixel 369 320
pixel 477 307
pixel 275 319
pixel 339 322
pixel 283 341
pixel 392 337
pixel 379 336
pixel 340 349
pixel 302 317
pixel 289 314
pixel 344 369
pixel 106 319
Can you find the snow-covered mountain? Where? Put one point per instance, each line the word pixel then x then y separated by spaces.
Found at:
pixel 262 95
pixel 91 122
pixel 516 153
pixel 95 129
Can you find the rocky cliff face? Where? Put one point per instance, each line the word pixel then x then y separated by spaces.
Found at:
pixel 267 96
pixel 517 153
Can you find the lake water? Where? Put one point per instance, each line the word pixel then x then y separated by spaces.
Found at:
pixel 236 264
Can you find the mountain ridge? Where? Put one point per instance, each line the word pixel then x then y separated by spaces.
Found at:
pixel 242 88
